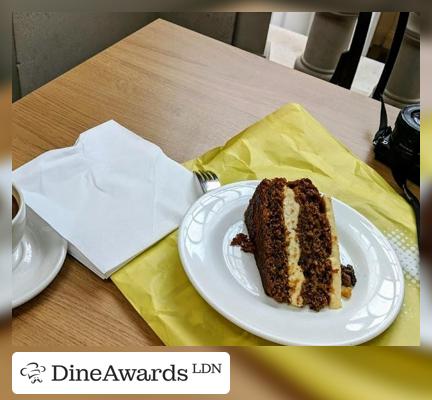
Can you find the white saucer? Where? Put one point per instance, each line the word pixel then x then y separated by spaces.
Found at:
pixel 37 260
pixel 229 281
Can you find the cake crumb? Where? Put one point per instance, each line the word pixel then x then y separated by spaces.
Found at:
pixel 348 280
pixel 348 276
pixel 244 242
pixel 346 292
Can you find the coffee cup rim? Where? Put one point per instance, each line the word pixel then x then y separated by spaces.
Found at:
pixel 20 200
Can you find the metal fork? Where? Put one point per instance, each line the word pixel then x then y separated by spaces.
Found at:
pixel 208 180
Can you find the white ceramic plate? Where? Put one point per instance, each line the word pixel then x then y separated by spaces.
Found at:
pixel 37 260
pixel 229 281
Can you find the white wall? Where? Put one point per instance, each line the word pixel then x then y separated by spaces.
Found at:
pixel 294 21
pixel 372 28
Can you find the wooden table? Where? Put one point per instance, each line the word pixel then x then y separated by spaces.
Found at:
pixel 187 93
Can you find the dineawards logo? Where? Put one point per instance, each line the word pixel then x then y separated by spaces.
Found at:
pixel 121 373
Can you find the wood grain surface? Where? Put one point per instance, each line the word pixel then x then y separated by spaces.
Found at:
pixel 187 93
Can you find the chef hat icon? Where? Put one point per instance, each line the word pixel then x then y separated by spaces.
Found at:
pixel 32 371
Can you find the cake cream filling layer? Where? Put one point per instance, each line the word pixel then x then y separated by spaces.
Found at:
pixel 296 277
pixel 295 273
pixel 335 289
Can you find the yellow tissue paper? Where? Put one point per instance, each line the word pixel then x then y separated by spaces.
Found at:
pixel 288 143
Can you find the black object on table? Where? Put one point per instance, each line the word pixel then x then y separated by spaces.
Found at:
pixel 400 150
pixel 349 60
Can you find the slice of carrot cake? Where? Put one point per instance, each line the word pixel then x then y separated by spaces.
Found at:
pixel 293 236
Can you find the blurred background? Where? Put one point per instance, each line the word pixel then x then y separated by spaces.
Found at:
pixel 47 44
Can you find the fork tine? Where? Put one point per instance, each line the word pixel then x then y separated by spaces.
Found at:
pixel 201 177
pixel 213 175
pixel 202 174
pixel 210 175
pixel 200 180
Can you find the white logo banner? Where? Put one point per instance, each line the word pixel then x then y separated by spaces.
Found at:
pixel 121 373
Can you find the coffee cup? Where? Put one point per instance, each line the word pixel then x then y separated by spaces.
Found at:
pixel 18 217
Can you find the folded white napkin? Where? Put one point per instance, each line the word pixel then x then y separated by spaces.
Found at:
pixel 111 196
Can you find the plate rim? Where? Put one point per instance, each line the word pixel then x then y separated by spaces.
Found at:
pixel 226 314
pixel 19 301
